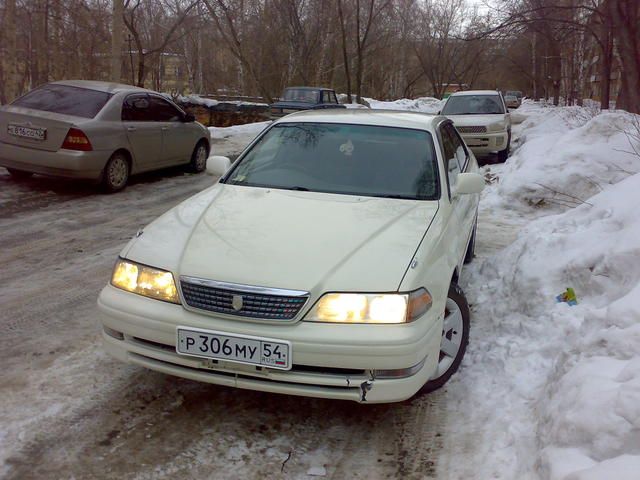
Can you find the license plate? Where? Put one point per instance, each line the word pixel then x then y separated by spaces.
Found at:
pixel 264 352
pixel 27 132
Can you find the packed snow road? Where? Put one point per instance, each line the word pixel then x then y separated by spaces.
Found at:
pixel 546 391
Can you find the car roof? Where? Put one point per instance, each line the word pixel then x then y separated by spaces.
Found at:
pixel 309 88
pixel 357 116
pixel 475 92
pixel 108 87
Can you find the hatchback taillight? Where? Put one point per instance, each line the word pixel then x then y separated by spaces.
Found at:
pixel 77 140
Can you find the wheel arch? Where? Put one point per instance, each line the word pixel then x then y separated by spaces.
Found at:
pixel 126 153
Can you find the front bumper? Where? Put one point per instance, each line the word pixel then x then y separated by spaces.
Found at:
pixel 329 361
pixel 61 163
pixel 484 143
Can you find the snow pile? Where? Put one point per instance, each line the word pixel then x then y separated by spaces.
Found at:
pixel 566 156
pixel 422 104
pixel 249 129
pixel 560 384
pixel 230 141
pixel 197 100
pixel 210 103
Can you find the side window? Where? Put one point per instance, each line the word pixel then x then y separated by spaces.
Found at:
pixel 135 108
pixel 329 97
pixel 449 149
pixel 163 111
pixel 461 152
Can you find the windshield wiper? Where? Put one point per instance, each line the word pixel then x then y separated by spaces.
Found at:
pixel 393 195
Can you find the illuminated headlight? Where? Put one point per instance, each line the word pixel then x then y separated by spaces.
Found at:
pixel 143 280
pixel 370 308
pixel 497 127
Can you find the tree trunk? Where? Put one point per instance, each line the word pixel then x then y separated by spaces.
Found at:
pixel 345 57
pixel 605 64
pixel 625 15
pixel 9 67
pixel 117 33
pixel 141 69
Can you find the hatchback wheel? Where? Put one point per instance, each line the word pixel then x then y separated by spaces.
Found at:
pixel 199 158
pixel 19 174
pixel 116 173
pixel 455 336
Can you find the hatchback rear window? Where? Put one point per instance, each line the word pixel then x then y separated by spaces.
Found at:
pixel 64 99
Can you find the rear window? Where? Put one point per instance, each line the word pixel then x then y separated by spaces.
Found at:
pixel 64 99
pixel 301 95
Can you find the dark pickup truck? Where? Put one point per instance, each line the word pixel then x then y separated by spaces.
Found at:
pixel 295 99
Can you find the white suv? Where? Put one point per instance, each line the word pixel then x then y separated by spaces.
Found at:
pixel 483 120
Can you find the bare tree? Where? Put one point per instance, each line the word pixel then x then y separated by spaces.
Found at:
pixel 9 88
pixel 117 32
pixel 156 40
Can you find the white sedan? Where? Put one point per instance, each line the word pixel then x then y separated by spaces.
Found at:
pixel 322 263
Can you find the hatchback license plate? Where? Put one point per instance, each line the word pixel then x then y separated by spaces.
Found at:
pixel 27 132
pixel 264 352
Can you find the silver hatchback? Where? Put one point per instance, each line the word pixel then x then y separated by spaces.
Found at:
pixel 98 131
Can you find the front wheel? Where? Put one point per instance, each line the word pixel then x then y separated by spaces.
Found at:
pixel 116 173
pixel 504 154
pixel 455 337
pixel 199 158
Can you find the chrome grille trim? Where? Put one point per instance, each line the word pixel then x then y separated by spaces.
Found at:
pixel 472 129
pixel 258 302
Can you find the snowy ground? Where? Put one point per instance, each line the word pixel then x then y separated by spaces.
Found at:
pixel 546 391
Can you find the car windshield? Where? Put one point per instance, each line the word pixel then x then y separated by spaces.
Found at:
pixel 473 104
pixel 345 159
pixel 64 99
pixel 301 95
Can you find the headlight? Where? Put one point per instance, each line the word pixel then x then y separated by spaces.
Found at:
pixel 143 280
pixel 370 308
pixel 497 127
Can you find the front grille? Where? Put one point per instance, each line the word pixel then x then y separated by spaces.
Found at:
pixel 254 305
pixel 472 129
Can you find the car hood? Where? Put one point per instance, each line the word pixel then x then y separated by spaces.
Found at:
pixel 477 119
pixel 284 239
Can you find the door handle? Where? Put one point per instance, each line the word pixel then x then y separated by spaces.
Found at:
pixel 164 129
pixel 131 129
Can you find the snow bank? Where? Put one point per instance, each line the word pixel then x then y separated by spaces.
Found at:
pixel 565 401
pixel 422 104
pixel 251 129
pixel 230 141
pixel 566 155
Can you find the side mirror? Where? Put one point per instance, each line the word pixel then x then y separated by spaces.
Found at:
pixel 218 165
pixel 467 183
pixel 439 112
pixel 189 117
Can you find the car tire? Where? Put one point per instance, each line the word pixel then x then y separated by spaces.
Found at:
pixel 504 154
pixel 19 174
pixel 471 248
pixel 199 157
pixel 455 332
pixel 116 173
